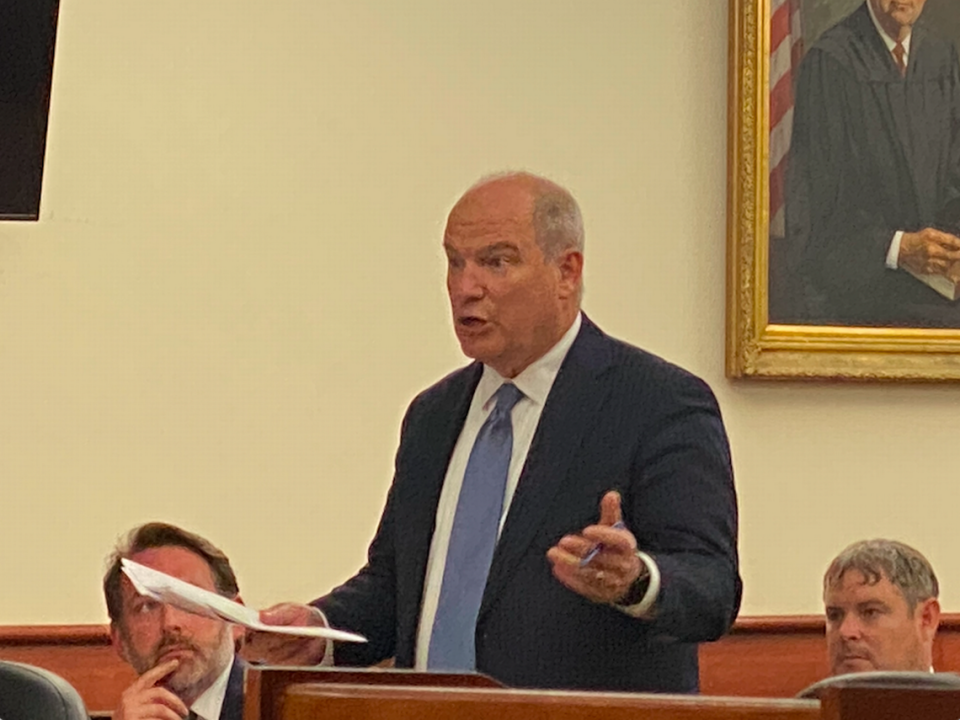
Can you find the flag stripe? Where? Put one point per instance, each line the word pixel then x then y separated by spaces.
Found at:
pixel 780 139
pixel 786 51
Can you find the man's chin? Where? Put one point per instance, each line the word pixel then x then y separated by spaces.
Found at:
pixel 854 665
pixel 477 346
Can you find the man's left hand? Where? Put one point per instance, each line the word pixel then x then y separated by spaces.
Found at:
pixel 608 576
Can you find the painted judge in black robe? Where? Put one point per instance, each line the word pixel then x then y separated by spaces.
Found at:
pixel 873 152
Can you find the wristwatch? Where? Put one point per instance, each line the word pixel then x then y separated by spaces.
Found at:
pixel 638 590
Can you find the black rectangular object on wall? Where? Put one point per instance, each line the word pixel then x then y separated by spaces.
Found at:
pixel 28 30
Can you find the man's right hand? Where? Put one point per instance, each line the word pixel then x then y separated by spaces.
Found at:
pixel 276 649
pixel 145 700
pixel 929 251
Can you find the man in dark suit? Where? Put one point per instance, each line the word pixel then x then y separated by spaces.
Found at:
pixel 615 506
pixel 873 174
pixel 186 662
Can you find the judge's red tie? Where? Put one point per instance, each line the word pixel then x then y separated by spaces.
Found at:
pixel 899 55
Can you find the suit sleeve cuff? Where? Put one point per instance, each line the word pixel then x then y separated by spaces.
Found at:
pixel 644 609
pixel 893 254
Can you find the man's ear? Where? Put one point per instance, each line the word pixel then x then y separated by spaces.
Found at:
pixel 570 265
pixel 116 640
pixel 238 631
pixel 929 611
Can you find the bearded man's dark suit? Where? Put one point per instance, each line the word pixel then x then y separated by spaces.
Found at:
pixel 232 708
pixel 616 418
pixel 871 153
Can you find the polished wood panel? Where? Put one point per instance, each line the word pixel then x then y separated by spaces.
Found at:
pixel 761 657
pixel 780 655
pixel 765 657
pixel 360 702
pixel 266 686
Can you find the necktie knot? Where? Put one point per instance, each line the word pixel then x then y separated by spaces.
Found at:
pixel 899 54
pixel 507 396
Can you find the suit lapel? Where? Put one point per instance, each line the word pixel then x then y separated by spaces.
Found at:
pixel 576 397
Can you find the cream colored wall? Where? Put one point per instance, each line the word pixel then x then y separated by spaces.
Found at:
pixel 236 284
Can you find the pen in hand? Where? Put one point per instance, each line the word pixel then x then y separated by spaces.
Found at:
pixel 598 548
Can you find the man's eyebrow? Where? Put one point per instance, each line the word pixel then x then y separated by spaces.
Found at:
pixel 499 247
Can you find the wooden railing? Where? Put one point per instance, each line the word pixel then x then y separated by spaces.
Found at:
pixel 762 657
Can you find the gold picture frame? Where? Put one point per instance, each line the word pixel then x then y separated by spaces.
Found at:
pixel 755 347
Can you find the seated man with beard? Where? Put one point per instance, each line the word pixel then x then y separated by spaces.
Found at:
pixel 186 662
pixel 880 599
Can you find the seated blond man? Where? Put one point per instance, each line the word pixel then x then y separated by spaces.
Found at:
pixel 880 599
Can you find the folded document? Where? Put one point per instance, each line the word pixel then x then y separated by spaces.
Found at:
pixel 165 588
pixel 947 284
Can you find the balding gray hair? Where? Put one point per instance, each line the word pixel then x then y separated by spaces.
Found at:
pixel 557 222
pixel 903 566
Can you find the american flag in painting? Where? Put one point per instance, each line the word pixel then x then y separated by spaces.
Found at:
pixel 786 49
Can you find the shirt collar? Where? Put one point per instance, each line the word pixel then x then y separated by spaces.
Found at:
pixel 887 40
pixel 210 702
pixel 537 378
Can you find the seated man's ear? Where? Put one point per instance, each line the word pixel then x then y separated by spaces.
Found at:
pixel 117 642
pixel 239 632
pixel 929 618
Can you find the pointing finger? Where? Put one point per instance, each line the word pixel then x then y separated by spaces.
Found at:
pixel 610 512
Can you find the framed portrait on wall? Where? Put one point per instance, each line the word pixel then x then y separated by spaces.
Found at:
pixel 844 190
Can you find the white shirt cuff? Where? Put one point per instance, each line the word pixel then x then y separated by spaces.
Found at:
pixel 893 254
pixel 327 660
pixel 644 608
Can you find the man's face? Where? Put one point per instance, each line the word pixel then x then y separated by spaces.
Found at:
pixel 870 627
pixel 510 304
pixel 150 632
pixel 897 15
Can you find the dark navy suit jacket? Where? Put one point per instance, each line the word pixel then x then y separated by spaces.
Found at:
pixel 232 708
pixel 616 418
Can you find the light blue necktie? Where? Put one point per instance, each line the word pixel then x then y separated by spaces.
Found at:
pixel 473 538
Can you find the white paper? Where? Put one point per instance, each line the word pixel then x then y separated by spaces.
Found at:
pixel 168 589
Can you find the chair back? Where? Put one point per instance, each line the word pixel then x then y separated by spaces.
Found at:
pixel 32 693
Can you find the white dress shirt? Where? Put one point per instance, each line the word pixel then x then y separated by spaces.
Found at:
pixel 210 702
